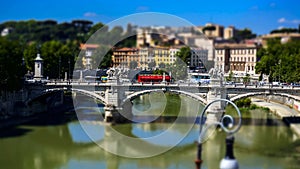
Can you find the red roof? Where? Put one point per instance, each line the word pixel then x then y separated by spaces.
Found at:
pixel 90 46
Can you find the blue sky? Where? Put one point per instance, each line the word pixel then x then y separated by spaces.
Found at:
pixel 259 15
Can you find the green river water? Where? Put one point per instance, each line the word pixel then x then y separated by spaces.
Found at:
pixel 263 142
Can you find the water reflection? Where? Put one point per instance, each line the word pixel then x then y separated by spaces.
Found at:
pixel 262 142
pixel 67 146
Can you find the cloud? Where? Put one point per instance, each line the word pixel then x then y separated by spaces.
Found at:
pixel 283 20
pixel 296 21
pixel 90 14
pixel 142 8
pixel 280 27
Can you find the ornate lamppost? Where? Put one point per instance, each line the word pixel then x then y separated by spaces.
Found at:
pixel 229 162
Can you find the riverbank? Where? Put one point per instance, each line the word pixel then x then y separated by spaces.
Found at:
pixel 282 111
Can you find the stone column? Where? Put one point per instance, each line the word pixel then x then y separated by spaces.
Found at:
pixel 216 91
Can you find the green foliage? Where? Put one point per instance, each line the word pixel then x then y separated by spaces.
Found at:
pixel 159 72
pixel 11 68
pixel 184 54
pixel 246 102
pixel 230 76
pixel 280 61
pixel 244 34
pixel 178 70
pixel 47 30
pixel 285 30
pixel 208 28
pixel 246 79
pixel 253 106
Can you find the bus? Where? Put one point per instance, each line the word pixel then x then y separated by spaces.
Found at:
pixel 152 78
pixel 202 78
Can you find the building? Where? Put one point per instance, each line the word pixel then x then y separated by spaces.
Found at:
pixel 199 57
pixel 284 37
pixel 212 30
pixel 239 58
pixel 146 37
pixel 207 44
pixel 122 57
pixel 6 31
pixel 88 50
pixel 173 54
pixel 230 32
pixel 161 55
pixel 146 55
pixel 143 56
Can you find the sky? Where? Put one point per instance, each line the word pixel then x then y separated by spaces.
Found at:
pixel 261 16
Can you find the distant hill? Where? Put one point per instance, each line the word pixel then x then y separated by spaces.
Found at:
pixel 47 30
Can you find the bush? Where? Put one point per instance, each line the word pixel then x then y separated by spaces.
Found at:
pixel 243 102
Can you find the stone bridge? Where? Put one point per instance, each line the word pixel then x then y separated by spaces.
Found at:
pixel 114 96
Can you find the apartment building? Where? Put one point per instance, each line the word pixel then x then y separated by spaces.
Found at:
pixel 239 58
pixel 88 50
pixel 143 56
pixel 146 55
pixel 199 57
pixel 123 56
pixel 161 55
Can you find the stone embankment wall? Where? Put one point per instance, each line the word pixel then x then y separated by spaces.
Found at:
pixel 12 103
pixel 282 100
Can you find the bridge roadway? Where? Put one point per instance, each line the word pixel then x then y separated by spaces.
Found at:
pixel 194 88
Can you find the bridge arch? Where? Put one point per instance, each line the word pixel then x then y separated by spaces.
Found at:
pixel 81 91
pixel 242 96
pixel 188 94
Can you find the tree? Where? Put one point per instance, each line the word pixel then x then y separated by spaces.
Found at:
pixel 230 76
pixel 246 79
pixel 178 70
pixel 95 28
pixel 280 61
pixel 184 54
pixel 284 30
pixel 208 28
pixel 10 65
pixel 244 34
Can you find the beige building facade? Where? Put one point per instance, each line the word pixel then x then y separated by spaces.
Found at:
pixel 239 58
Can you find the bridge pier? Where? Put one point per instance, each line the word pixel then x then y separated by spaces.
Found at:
pixel 115 114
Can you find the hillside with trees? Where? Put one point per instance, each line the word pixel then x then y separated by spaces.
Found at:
pixel 58 44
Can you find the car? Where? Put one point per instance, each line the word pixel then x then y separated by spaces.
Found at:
pixel 229 83
pixel 295 84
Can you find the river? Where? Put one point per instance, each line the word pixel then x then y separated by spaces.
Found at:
pixel 61 143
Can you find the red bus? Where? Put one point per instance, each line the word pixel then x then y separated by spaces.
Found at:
pixel 153 78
